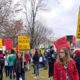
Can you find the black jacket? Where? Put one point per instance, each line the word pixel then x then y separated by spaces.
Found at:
pixel 36 58
pixel 51 56
pixel 18 65
pixel 77 59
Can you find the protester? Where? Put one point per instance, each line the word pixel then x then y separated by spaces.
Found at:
pixel 1 65
pixel 6 64
pixel 51 60
pixel 36 63
pixel 20 67
pixel 41 60
pixel 46 59
pixel 11 58
pixel 77 59
pixel 65 67
pixel 31 55
pixel 27 58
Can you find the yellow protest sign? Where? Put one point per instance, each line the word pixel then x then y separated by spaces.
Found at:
pixel 23 43
pixel 69 43
pixel 42 51
pixel 78 27
pixel 1 43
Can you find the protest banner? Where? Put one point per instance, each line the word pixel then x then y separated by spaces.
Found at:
pixel 78 26
pixel 1 43
pixel 23 43
pixel 8 43
pixel 60 43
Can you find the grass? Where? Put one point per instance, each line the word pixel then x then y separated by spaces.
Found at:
pixel 30 76
pixel 43 75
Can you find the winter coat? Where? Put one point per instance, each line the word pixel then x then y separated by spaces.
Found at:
pixel 60 71
pixel 18 66
pixel 36 58
pixel 1 61
pixel 27 58
pixel 11 59
pixel 51 56
pixel 77 59
pixel 51 60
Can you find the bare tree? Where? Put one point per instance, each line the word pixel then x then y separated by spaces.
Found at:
pixel 5 14
pixel 37 32
pixel 36 5
pixel 41 34
pixel 9 27
pixel 12 29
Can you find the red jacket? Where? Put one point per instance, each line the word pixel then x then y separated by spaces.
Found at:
pixel 60 72
pixel 27 57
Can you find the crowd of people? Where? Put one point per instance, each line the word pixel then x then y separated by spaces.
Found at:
pixel 61 65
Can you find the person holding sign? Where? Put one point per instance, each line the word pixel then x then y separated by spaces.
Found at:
pixel 19 67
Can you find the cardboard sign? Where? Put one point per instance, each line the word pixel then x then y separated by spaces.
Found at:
pixel 8 43
pixel 60 43
pixel 1 44
pixel 78 26
pixel 23 43
pixel 42 51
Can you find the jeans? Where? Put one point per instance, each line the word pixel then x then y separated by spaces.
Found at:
pixel 51 69
pixel 20 75
pixel 11 72
pixel 36 69
pixel 6 71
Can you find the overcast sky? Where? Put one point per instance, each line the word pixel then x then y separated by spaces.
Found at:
pixel 62 16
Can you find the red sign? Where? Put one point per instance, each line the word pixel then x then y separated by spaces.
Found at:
pixel 60 43
pixel 8 43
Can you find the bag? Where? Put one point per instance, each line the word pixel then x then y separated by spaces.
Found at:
pixel 20 78
pixel 40 59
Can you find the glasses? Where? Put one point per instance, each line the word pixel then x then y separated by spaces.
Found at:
pixel 61 52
